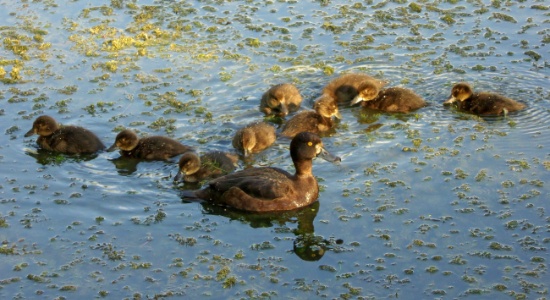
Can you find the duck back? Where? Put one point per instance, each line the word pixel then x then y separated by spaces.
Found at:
pixel 344 88
pixel 156 148
pixel 310 121
pixel 71 140
pixel 395 99
pixel 485 103
pixel 261 189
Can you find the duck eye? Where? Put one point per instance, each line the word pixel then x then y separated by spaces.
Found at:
pixel 310 144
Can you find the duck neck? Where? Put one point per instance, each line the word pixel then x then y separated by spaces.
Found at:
pixel 303 167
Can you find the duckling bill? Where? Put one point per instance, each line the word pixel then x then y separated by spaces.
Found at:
pixel 481 103
pixel 263 189
pixel 64 138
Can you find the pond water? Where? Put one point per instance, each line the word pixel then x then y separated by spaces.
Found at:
pixel 432 204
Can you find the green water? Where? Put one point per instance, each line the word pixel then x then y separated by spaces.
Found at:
pixel 433 204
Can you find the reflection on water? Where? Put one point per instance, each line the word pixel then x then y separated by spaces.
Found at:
pixel 125 165
pixel 306 245
pixel 432 204
pixel 45 157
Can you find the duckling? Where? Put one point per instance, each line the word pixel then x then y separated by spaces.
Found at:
pixel 346 87
pixel 263 189
pixel 317 121
pixel 393 99
pixel 280 100
pixel 254 138
pixel 64 139
pixel 193 168
pixel 149 148
pixel 482 103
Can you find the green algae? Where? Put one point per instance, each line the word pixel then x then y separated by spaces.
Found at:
pixel 168 102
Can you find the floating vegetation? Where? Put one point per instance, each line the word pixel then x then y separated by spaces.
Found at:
pixel 431 196
pixel 504 17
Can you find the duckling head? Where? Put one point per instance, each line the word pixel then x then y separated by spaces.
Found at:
pixel 125 140
pixel 367 91
pixel 189 164
pixel 327 107
pixel 460 92
pixel 43 126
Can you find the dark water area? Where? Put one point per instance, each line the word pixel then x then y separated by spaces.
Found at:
pixel 432 204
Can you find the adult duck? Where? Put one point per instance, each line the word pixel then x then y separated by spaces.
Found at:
pixel 263 189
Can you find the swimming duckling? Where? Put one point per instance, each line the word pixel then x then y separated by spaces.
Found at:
pixel 482 103
pixel 393 99
pixel 267 188
pixel 64 139
pixel 280 100
pixel 346 87
pixel 254 138
pixel 149 148
pixel 193 168
pixel 317 121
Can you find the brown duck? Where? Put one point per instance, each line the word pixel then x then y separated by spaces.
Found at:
pixel 280 100
pixel 254 138
pixel 482 103
pixel 346 87
pixel 393 99
pixel 65 139
pixel 149 148
pixel 316 121
pixel 193 168
pixel 267 188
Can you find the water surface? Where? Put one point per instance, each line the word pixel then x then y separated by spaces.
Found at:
pixel 432 204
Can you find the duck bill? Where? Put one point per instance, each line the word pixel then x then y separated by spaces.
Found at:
pixel 284 111
pixel 450 101
pixel 356 100
pixel 324 154
pixel 338 115
pixel 178 177
pixel 29 133
pixel 112 148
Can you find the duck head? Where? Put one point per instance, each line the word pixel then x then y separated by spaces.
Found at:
pixel 43 126
pixel 460 92
pixel 125 140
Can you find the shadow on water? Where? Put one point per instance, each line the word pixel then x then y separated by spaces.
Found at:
pixel 49 158
pixel 307 246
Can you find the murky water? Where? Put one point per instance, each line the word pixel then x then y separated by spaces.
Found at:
pixel 434 204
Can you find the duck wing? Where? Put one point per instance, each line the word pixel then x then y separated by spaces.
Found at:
pixel 264 183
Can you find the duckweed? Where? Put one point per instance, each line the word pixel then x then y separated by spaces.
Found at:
pixel 162 67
